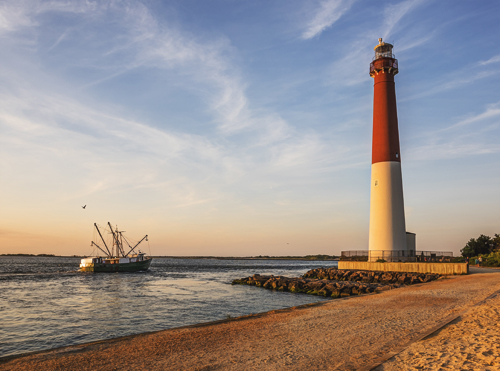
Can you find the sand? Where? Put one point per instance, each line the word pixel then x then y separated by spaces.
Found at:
pixel 471 342
pixel 342 334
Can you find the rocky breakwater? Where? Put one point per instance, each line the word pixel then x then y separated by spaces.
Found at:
pixel 336 283
pixel 406 278
pixel 323 287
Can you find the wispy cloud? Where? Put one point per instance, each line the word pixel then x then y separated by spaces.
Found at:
pixel 394 13
pixel 462 139
pixel 102 147
pixel 494 59
pixel 325 16
pixel 492 110
pixel 105 148
pixel 58 41
pixel 141 42
pixel 208 62
pixel 459 147
pixel 351 69
pixel 21 14
pixel 14 16
pixel 450 81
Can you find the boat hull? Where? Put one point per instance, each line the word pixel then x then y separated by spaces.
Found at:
pixel 142 265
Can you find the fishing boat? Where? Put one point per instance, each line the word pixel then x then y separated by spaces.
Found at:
pixel 115 258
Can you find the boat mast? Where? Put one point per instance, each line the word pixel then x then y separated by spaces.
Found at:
pixel 115 239
pixel 96 245
pixel 137 244
pixel 118 240
pixel 121 241
pixel 100 235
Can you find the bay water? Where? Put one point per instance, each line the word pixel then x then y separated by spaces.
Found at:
pixel 45 302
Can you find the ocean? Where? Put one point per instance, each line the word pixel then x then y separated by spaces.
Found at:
pixel 45 302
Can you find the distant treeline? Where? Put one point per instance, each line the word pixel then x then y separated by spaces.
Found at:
pixel 481 246
pixel 27 255
pixel 484 247
pixel 260 257
pixel 306 257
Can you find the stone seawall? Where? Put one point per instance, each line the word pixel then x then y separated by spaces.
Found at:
pixel 331 282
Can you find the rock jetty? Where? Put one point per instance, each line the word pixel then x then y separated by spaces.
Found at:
pixel 407 278
pixel 335 283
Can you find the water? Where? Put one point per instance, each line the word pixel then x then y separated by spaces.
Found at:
pixel 46 303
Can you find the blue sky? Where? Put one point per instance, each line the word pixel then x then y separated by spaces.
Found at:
pixel 242 127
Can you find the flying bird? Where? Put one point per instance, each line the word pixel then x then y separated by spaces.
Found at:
pixel 83 207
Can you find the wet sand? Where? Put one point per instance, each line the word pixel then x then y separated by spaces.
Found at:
pixel 341 334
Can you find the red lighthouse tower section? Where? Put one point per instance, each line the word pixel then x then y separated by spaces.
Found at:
pixel 387 237
pixel 385 145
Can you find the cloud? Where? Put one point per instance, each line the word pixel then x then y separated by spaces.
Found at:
pixel 58 41
pixel 326 15
pixel 413 39
pixel 135 39
pixel 91 152
pixel 491 111
pixel 465 140
pixel 103 151
pixel 19 15
pixel 13 17
pixel 394 13
pixel 96 149
pixel 450 81
pixel 456 148
pixel 494 59
pixel 351 69
pixel 207 62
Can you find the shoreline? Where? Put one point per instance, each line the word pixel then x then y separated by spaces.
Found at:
pixel 118 339
pixel 301 258
pixel 342 334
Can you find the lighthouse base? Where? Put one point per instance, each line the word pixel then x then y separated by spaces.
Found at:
pixel 407 255
pixel 387 217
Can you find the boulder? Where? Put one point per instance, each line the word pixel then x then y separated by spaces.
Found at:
pixel 315 285
pixel 296 286
pixel 268 283
pixel 335 293
pixel 386 277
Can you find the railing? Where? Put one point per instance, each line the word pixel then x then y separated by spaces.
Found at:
pixel 378 64
pixel 434 256
pixel 397 255
pixel 391 255
pixel 355 255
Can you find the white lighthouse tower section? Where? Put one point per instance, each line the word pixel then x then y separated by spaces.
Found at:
pixel 387 236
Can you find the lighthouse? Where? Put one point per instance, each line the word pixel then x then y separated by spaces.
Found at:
pixel 387 236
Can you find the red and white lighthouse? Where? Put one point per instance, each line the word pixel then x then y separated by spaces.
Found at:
pixel 387 237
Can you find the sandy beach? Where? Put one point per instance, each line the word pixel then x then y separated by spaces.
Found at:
pixel 470 342
pixel 361 332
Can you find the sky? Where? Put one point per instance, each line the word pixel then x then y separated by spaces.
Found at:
pixel 242 128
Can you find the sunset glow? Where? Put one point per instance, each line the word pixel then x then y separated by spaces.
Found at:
pixel 242 128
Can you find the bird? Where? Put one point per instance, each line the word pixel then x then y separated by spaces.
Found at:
pixel 83 207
